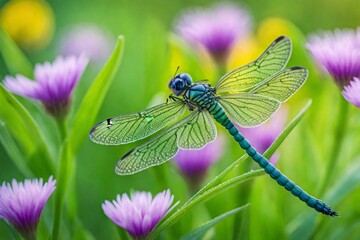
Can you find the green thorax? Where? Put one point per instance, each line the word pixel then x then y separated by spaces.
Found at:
pixel 200 95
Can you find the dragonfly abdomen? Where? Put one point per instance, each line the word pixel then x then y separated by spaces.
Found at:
pixel 220 116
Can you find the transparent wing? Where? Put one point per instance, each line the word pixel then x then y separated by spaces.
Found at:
pixel 248 109
pixel 192 132
pixel 273 60
pixel 132 127
pixel 282 85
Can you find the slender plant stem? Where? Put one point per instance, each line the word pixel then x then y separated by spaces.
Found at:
pixel 63 179
pixel 184 209
pixel 340 127
pixel 32 236
pixel 240 223
pixel 221 70
pixel 122 234
pixel 61 124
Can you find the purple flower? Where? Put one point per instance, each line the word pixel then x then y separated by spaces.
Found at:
pixel 338 53
pixel 194 164
pixel 88 40
pixel 22 203
pixel 217 29
pixel 139 214
pixel 53 85
pixel 352 92
pixel 262 136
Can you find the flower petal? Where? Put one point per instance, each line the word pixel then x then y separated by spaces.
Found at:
pixel 352 92
pixel 139 214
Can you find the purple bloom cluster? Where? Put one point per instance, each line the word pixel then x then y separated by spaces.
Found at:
pixel 53 85
pixel 351 92
pixel 338 53
pixel 22 203
pixel 88 40
pixel 194 164
pixel 262 136
pixel 217 29
pixel 140 213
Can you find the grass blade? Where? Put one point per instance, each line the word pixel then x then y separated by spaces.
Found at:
pixel 217 185
pixel 27 133
pixel 200 232
pixel 90 106
pixel 14 58
pixel 82 123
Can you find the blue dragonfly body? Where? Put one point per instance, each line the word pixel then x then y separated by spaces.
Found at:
pixel 248 95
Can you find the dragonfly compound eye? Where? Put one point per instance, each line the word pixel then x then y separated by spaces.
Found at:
pixel 186 77
pixel 177 86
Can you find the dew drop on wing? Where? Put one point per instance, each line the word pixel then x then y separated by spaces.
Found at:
pixel 149 118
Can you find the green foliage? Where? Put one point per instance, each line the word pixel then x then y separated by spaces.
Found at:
pixel 305 226
pixel 218 184
pixel 16 61
pixel 149 61
pixel 90 106
pixel 82 122
pixel 27 134
pixel 201 231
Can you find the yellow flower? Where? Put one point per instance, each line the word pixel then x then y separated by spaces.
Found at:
pixel 29 22
pixel 272 28
pixel 244 52
pixel 269 29
pixel 199 65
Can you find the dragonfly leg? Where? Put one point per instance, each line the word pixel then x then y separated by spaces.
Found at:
pixel 190 105
pixel 174 98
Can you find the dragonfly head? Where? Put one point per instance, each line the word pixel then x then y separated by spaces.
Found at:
pixel 179 83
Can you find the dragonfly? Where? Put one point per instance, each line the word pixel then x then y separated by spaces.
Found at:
pixel 248 96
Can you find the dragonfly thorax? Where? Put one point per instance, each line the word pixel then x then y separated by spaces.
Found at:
pixel 201 95
pixel 179 83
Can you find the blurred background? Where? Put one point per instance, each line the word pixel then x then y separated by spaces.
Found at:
pixel 152 52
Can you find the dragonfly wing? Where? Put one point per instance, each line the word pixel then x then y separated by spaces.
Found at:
pixel 249 110
pixel 282 85
pixel 132 127
pixel 197 132
pixel 194 131
pixel 273 60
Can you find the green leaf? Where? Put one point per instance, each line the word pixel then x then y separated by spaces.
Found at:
pixel 349 181
pixel 218 185
pixel 90 106
pixel 12 149
pixel 81 234
pixel 205 196
pixel 14 58
pixel 200 232
pixel 28 136
pixel 83 121
pixel 123 235
pixel 306 224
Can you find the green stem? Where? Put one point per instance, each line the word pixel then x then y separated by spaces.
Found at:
pixel 122 234
pixel 65 167
pixel 340 128
pixel 61 124
pixel 221 69
pixel 32 236
pixel 208 194
pixel 241 221
pixel 71 204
